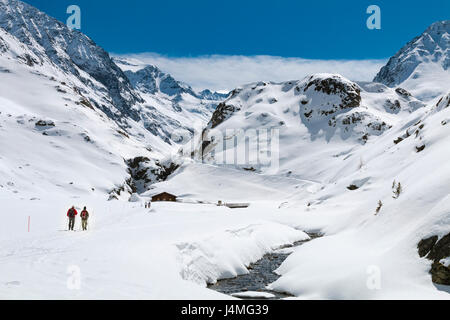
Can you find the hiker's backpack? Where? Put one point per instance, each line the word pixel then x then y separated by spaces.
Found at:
pixel 84 214
pixel 71 213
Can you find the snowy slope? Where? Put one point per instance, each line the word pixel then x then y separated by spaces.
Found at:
pixel 52 130
pixel 388 241
pixel 422 65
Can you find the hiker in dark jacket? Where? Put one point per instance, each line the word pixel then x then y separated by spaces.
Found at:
pixel 84 219
pixel 72 213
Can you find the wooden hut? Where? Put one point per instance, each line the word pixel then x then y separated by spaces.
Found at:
pixel 164 197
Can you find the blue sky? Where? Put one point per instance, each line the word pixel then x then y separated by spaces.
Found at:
pixel 289 28
pixel 221 45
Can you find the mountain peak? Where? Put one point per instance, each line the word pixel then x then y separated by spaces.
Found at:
pixel 439 27
pixel 426 55
pixel 70 50
pixel 151 80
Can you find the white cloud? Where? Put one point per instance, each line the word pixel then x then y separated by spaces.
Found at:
pixel 220 72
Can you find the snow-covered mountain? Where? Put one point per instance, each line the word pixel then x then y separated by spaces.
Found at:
pixel 104 85
pixel 423 65
pixel 53 75
pixel 71 52
pixel 169 105
pixel 151 80
pixel 321 116
pixel 52 129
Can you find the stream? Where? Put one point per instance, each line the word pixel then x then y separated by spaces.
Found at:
pixel 261 274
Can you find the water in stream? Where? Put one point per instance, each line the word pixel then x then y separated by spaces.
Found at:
pixel 261 274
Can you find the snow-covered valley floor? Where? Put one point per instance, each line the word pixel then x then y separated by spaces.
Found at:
pixel 131 252
pixel 174 249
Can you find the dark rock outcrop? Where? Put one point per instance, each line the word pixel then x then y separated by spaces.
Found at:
pixel 44 123
pixel 145 172
pixel 222 113
pixel 425 245
pixel 350 93
pixel 436 250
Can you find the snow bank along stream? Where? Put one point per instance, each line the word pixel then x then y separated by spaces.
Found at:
pixel 262 273
pixel 240 261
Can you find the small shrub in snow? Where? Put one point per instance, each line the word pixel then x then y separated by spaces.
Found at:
pixel 380 205
pixel 85 102
pixel 407 134
pixel 397 189
pixel 45 123
pixel 420 149
pixel 400 139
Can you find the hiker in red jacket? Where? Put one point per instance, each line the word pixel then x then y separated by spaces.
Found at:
pixel 72 213
pixel 84 219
